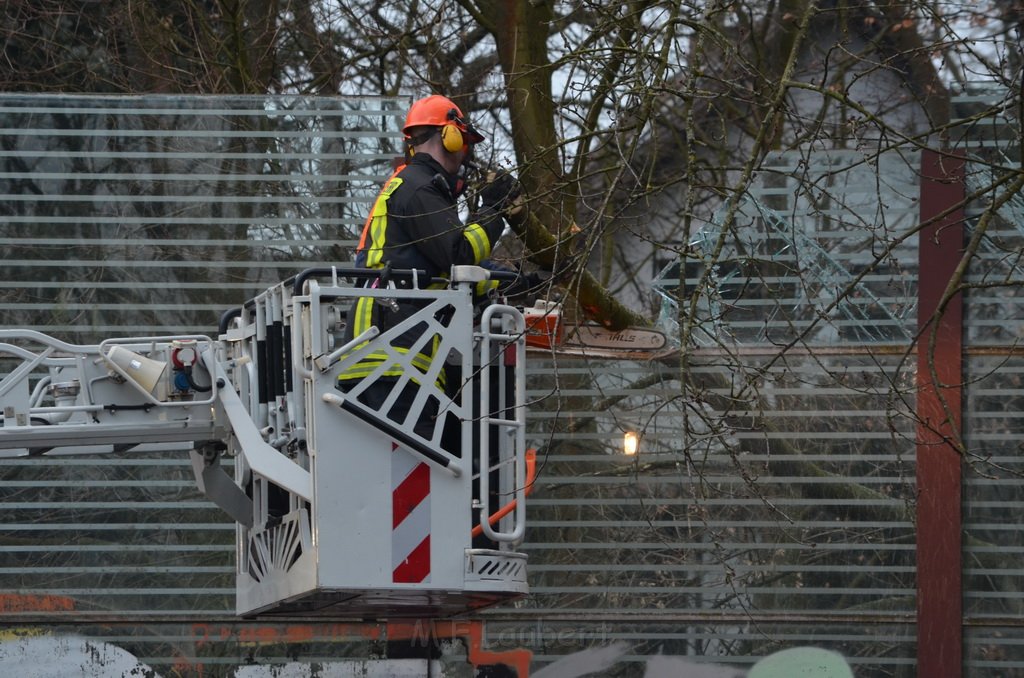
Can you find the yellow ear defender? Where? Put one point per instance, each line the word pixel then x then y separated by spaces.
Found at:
pixel 451 138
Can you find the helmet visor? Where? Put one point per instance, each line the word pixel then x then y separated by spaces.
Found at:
pixel 472 136
pixel 470 133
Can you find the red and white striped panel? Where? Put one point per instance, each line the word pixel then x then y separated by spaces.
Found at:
pixel 410 513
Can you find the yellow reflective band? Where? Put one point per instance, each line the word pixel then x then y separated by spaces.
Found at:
pixel 390 187
pixel 379 224
pixel 362 315
pixel 477 237
pixel 485 286
pixel 363 370
pixel 365 367
pixel 375 252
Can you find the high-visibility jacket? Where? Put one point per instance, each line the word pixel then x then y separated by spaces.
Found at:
pixel 415 224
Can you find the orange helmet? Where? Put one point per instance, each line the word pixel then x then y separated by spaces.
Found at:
pixel 439 111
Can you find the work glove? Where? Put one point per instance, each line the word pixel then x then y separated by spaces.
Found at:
pixel 533 283
pixel 538 280
pixel 500 191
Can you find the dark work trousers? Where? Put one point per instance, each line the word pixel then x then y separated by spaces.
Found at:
pixel 454 381
pixel 375 395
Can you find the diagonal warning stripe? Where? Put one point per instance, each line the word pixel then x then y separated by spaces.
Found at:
pixel 410 518
pixel 411 491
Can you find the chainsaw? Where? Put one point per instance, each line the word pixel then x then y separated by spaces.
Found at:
pixel 547 330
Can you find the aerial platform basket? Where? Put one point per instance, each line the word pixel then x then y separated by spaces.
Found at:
pixel 344 509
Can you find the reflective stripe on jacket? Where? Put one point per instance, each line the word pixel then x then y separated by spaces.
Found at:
pixel 414 224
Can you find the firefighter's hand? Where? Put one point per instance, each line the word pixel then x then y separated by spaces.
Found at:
pixel 538 280
pixel 500 191
pixel 527 284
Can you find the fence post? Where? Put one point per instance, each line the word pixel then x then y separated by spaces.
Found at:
pixel 939 396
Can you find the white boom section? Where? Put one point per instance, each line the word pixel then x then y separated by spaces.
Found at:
pixel 67 398
pixel 342 508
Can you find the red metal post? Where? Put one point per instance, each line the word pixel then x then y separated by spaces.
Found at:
pixel 939 393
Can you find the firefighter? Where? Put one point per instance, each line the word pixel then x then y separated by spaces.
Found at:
pixel 414 224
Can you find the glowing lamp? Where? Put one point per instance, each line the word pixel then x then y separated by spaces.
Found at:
pixel 630 443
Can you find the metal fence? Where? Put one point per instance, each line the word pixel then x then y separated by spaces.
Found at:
pixel 774 500
pixel 160 212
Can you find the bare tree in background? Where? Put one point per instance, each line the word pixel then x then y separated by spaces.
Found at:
pixel 721 139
